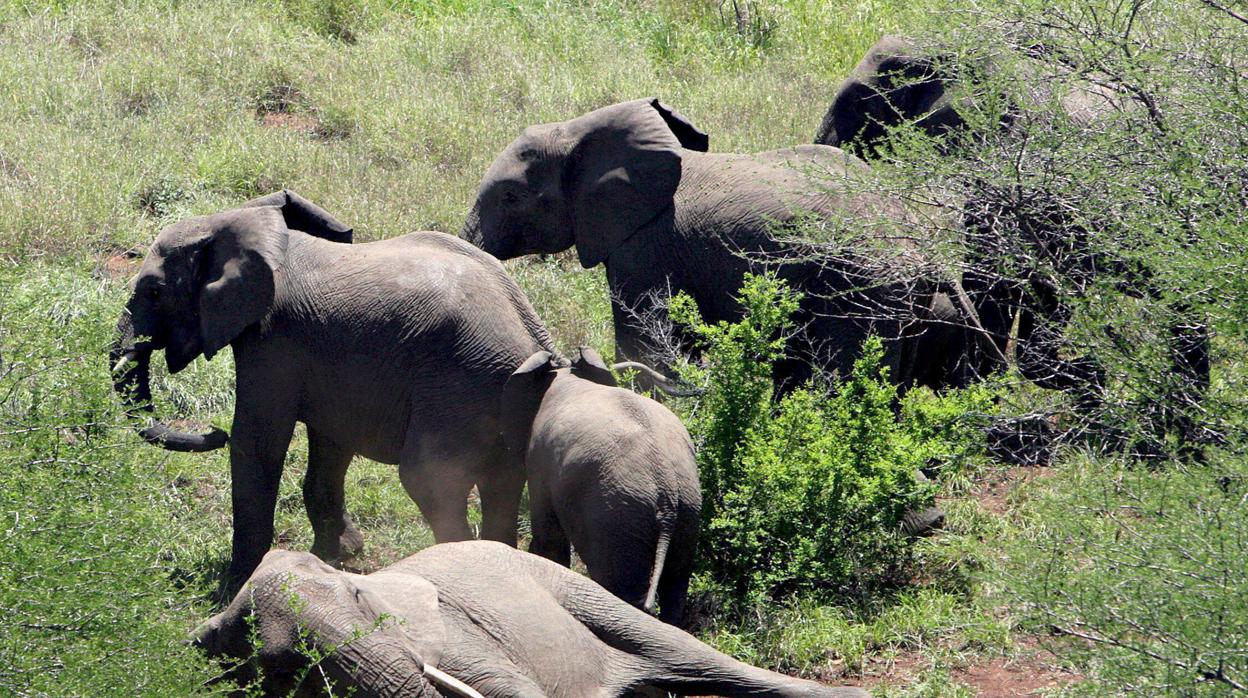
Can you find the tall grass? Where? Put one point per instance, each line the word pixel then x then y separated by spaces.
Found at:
pixel 103 101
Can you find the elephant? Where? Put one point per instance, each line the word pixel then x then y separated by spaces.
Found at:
pixel 1025 256
pixel 395 350
pixel 612 473
pixel 469 619
pixel 632 187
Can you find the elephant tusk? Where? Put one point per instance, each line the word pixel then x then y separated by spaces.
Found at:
pixel 449 683
pixel 125 359
pixel 982 335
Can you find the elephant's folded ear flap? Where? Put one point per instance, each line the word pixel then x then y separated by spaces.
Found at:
pixel 588 364
pixel 892 84
pixel 521 399
pixel 690 136
pixel 301 214
pixel 423 633
pixel 622 173
pixel 238 272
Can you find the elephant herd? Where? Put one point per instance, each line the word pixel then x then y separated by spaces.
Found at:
pixel 421 351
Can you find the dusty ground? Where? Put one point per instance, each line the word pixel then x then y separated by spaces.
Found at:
pixel 1028 672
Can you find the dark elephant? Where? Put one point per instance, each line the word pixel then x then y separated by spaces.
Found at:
pixel 467 619
pixel 611 473
pixel 394 350
pixel 632 188
pixel 1026 259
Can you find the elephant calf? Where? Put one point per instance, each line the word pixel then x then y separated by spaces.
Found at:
pixel 467 619
pixel 610 472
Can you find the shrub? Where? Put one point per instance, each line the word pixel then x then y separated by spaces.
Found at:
pixel 102 566
pixel 805 496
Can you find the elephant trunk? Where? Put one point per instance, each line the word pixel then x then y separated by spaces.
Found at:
pixel 375 658
pixel 377 666
pixel 472 228
pixel 130 362
pixel 966 309
pixel 660 381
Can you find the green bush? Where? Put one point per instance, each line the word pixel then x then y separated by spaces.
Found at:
pixel 106 560
pixel 805 496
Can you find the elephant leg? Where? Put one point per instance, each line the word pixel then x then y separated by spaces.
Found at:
pixel 1190 359
pixel 258 443
pixel 549 539
pixel 439 483
pixel 678 570
pixel 501 488
pixel 666 657
pixel 619 551
pixel 336 537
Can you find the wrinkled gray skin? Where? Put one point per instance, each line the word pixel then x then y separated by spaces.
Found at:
pixel 394 350
pixel 895 84
pixel 502 621
pixel 611 473
pixel 631 187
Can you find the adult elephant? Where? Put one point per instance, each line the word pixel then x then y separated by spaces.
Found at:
pixel 394 350
pixel 632 187
pixel 466 619
pixel 1026 258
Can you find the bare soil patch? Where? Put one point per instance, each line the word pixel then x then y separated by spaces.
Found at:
pixel 993 492
pixel 118 266
pixel 295 122
pixel 1028 672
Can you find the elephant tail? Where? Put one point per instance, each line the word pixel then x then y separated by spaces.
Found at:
pixel 667 523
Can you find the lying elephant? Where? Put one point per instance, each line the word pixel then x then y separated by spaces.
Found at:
pixel 612 473
pixel 630 186
pixel 467 619
pixel 394 350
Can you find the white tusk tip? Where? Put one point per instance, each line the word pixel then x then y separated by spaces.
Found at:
pixel 124 360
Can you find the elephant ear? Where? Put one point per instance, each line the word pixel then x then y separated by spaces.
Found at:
pixel 418 619
pixel 623 171
pixel 522 397
pixel 301 214
pixel 244 252
pixel 588 364
pixel 891 85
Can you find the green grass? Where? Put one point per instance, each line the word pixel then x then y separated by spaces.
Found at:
pixel 105 102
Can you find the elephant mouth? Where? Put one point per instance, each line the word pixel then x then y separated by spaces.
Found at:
pixel 130 362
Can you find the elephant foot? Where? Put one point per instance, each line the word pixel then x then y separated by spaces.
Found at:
pixel 344 546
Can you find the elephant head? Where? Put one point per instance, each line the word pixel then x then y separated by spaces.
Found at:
pixel 891 85
pixel 203 283
pixel 294 606
pixel 896 83
pixel 591 182
pixel 523 393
